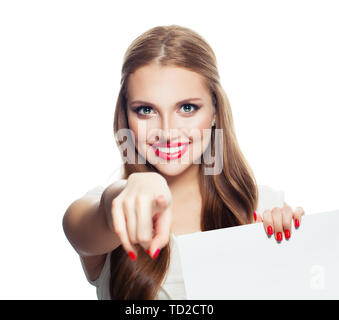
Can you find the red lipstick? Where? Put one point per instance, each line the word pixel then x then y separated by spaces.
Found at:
pixel 168 145
pixel 170 155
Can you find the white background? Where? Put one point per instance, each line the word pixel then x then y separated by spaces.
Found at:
pixel 60 64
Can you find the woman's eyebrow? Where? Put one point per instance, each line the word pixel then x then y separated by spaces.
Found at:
pixel 153 105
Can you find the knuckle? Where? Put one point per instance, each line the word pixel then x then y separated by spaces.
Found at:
pixel 127 204
pixel 299 211
pixel 266 215
pixel 287 214
pixel 276 210
pixel 288 207
pixel 141 198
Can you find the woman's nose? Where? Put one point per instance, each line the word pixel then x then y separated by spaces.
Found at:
pixel 169 128
pixel 168 124
pixel 165 123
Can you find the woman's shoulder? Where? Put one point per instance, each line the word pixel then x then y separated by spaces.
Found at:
pixel 95 191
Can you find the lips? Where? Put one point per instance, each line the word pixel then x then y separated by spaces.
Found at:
pixel 164 150
pixel 169 144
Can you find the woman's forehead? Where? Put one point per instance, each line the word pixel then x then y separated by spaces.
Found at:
pixel 154 83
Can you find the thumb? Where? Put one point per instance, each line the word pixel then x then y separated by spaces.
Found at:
pixel 161 202
pixel 257 217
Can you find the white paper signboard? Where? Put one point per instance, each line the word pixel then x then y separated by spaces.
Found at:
pixel 243 263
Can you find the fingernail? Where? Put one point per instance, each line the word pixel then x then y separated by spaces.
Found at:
pixel 255 216
pixel 279 236
pixel 287 234
pixel 147 251
pixel 296 223
pixel 269 230
pixel 132 255
pixel 156 253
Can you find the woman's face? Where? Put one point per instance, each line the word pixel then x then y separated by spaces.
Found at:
pixel 169 105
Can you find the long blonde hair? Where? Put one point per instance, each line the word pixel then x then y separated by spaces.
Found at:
pixel 228 198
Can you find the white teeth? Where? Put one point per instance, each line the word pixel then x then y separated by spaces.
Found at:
pixel 171 150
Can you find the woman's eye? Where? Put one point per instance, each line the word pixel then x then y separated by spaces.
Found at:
pixel 189 107
pixel 136 110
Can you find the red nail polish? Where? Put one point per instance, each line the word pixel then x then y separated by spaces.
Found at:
pixel 255 216
pixel 269 230
pixel 132 255
pixel 279 236
pixel 296 223
pixel 156 253
pixel 147 251
pixel 287 234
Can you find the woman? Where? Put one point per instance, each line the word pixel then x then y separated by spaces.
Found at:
pixel 170 107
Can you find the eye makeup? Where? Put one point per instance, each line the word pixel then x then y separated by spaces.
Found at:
pixel 144 107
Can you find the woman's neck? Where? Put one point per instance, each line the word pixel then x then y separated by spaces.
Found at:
pixel 186 201
pixel 186 183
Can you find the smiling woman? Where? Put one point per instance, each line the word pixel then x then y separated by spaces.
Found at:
pixel 177 117
pixel 173 106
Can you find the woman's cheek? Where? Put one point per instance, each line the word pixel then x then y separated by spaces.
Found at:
pixel 201 136
pixel 138 135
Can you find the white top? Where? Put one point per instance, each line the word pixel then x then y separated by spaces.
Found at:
pixel 172 287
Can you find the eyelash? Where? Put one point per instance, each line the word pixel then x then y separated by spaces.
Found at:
pixel 137 109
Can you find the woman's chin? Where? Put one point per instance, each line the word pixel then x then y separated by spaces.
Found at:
pixel 171 169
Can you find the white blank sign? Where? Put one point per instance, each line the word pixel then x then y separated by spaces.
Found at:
pixel 244 263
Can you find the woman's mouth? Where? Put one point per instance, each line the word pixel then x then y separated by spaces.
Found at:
pixel 169 153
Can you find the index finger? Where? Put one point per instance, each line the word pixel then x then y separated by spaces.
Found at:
pixel 163 221
pixel 144 220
